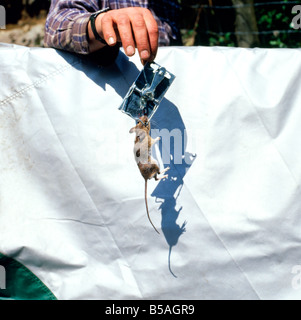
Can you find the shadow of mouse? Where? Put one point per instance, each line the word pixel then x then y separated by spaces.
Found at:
pixel 171 230
pixel 168 124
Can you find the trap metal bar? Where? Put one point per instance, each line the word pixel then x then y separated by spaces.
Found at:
pixel 147 91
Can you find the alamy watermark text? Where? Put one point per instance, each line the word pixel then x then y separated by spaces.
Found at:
pixel 296 22
pixel 2 278
pixel 2 17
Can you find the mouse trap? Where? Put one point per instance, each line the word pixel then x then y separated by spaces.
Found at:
pixel 147 91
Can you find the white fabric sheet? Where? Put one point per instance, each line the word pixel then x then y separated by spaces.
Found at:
pixel 72 198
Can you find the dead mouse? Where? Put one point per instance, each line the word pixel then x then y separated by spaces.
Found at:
pixel 142 150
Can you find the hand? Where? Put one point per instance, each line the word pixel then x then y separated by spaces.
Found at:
pixel 133 27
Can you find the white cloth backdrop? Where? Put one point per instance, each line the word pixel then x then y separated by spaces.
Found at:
pixel 72 199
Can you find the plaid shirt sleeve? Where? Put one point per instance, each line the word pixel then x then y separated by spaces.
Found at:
pixel 66 24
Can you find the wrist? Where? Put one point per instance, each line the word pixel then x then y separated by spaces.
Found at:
pixel 94 34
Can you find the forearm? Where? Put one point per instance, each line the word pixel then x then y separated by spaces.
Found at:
pixel 66 25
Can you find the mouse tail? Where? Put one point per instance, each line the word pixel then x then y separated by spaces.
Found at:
pixel 146 205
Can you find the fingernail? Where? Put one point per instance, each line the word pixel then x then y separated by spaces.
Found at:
pixel 130 50
pixel 111 40
pixel 144 55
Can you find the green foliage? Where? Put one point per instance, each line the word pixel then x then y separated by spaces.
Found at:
pixel 274 22
pixel 225 40
pixel 216 27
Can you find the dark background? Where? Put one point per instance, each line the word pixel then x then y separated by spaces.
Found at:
pixel 204 22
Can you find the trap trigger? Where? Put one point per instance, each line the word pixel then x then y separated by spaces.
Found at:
pixel 147 91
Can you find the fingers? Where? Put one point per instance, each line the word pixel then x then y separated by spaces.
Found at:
pixel 134 27
pixel 107 29
pixel 141 37
pixel 153 33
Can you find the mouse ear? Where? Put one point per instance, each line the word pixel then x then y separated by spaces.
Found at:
pixel 132 130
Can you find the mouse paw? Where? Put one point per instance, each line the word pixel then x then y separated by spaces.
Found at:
pixel 164 177
pixel 165 170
